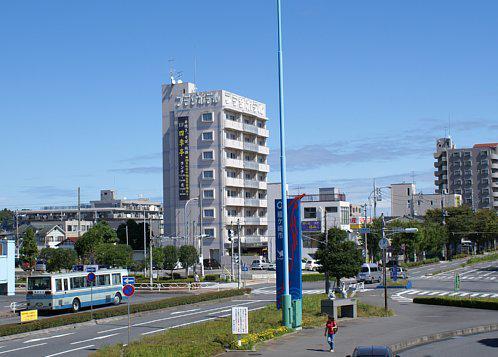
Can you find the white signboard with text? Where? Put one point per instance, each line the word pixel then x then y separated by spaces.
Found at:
pixel 240 320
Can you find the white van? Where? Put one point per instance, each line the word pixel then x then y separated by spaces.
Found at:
pixel 370 273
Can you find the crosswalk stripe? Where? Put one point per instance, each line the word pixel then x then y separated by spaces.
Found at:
pixel 424 293
pixel 453 294
pixel 485 295
pixel 494 295
pixel 443 293
pixel 412 292
pixel 463 294
pixel 474 295
pixel 433 293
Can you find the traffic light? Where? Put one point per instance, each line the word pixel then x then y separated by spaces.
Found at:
pixel 230 234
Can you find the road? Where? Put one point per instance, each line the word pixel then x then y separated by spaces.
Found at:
pixel 92 337
pixel 482 345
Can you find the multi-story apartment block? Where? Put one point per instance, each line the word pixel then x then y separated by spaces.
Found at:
pixel 471 172
pixel 214 142
pixel 404 196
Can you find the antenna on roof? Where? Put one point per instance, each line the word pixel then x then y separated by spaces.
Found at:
pixel 449 125
pixel 172 70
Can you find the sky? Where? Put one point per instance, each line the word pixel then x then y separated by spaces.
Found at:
pixel 369 87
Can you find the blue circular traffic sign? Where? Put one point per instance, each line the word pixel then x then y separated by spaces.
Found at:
pixel 90 277
pixel 128 290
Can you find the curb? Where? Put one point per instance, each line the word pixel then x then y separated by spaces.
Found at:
pixel 424 340
pixel 102 321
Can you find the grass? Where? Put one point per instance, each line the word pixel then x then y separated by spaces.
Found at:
pixel 475 303
pixel 102 313
pixel 419 263
pixel 485 258
pixel 211 338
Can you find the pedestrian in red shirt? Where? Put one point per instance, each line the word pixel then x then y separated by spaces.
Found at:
pixel 330 331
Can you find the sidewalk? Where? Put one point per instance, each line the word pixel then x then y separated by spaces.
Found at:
pixel 411 321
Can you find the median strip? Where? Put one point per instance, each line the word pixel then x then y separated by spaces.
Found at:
pixel 471 302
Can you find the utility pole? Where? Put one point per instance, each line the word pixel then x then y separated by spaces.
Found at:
pixel 366 234
pixel 145 246
pixel 239 267
pixel 327 281
pixel 412 204
pixel 375 199
pixel 231 238
pixel 79 214
pixel 17 232
pixel 384 259
pixel 200 222
pixel 126 228
pixel 150 253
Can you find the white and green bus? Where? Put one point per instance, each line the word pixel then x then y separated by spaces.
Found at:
pixel 60 291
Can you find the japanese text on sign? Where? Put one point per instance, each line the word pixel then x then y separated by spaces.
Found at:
pixel 240 320
pixel 183 159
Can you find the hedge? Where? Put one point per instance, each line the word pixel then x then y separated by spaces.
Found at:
pixel 420 263
pixel 486 258
pixel 313 277
pixel 69 319
pixel 208 277
pixel 474 303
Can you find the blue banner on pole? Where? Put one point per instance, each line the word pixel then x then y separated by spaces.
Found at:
pixel 294 246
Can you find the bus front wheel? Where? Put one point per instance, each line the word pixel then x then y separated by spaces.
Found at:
pixel 117 299
pixel 76 305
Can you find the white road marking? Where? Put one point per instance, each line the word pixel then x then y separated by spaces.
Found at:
pixel 433 293
pixel 475 294
pixel 492 278
pixel 23 348
pixel 182 312
pixel 47 338
pixel 453 294
pixel 463 294
pixel 171 317
pixel 424 293
pixel 443 293
pixel 485 295
pixel 494 295
pixel 74 349
pixel 95 338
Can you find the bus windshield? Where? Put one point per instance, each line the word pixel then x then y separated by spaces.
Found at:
pixel 39 283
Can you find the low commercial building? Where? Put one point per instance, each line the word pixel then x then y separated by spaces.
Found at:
pixel 406 202
pixel 7 267
pixel 109 208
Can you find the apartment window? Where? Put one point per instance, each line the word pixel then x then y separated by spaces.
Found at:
pixel 309 212
pixel 484 153
pixel 484 163
pixel 249 213
pixel 432 203
pixel 207 136
pixel 468 182
pixel 261 159
pixel 344 215
pixel 459 192
pixel 485 191
pixel 207 117
pixel 209 232
pixel 208 194
pixel 260 124
pixel 408 191
pixel 485 200
pixel 468 163
pixel 230 116
pixel 261 142
pixel 466 154
pixel 232 174
pixel 208 213
pixel 331 209
pixel 231 136
pixel 262 213
pixel 249 194
pixel 248 158
pixel 232 193
pixel 232 212
pixel 262 231
pixel 208 155
pixel 468 172
pixel 262 195
pixel 231 155
pixel 485 181
pixel 456 154
pixel 484 172
pixel 248 176
pixel 458 182
pixel 261 177
pixel 208 174
pixel 468 201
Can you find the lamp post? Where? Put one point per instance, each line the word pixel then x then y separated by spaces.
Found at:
pixel 185 218
pixel 286 298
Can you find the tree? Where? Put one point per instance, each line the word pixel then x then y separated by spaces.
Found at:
pixel 29 250
pixel 340 258
pixel 170 258
pixel 114 255
pixel 58 259
pixel 86 246
pixel 485 228
pixel 157 257
pixel 187 255
pixel 135 234
pixel 6 219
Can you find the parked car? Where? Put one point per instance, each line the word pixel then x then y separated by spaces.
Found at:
pixel 369 273
pixel 272 266
pixel 401 273
pixel 259 264
pixel 303 263
pixel 312 265
pixel 211 264
pixel 377 351
pixel 40 265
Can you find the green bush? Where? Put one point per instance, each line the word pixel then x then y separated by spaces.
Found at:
pixel 420 263
pixel 478 303
pixel 459 256
pixel 313 277
pixel 211 277
pixel 12 329
pixel 486 258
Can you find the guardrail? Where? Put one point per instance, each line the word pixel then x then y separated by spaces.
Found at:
pixel 18 306
pixel 181 286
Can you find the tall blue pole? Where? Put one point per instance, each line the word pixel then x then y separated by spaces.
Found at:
pixel 286 298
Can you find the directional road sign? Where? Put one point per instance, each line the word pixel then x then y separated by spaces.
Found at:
pixel 383 243
pixel 128 290
pixel 128 280
pixel 364 230
pixel 90 277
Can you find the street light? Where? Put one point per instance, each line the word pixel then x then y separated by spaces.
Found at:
pixel 201 255
pixel 185 217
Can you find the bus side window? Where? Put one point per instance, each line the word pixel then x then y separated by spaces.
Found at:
pixel 58 284
pixel 103 280
pixel 66 284
pixel 116 279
